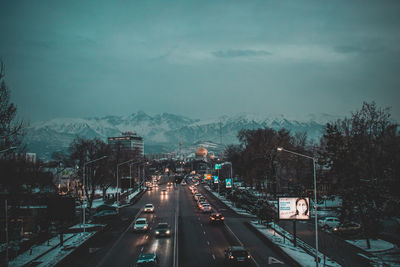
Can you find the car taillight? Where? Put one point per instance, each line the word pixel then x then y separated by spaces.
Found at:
pixel 212 218
pixel 248 256
pixel 222 218
pixel 232 257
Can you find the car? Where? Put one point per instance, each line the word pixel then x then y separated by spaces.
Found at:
pixel 163 191
pixel 201 203
pixel 169 185
pixel 105 215
pixel 197 196
pixel 206 208
pixel 349 228
pixel 216 217
pixel 237 255
pixel 329 222
pixel 148 208
pixel 162 229
pixel 141 225
pixel 147 260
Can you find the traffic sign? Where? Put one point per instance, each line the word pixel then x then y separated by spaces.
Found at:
pixel 208 176
pixel 216 179
pixel 217 166
pixel 228 183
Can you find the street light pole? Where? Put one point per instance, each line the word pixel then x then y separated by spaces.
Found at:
pixel 85 188
pixel 128 161
pixel 279 149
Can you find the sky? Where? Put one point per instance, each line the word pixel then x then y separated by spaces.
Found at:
pixel 201 59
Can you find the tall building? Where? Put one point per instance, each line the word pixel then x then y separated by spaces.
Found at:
pixel 128 141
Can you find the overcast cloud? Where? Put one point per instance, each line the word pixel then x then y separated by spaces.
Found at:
pixel 200 58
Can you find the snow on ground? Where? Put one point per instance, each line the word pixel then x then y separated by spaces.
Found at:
pixel 37 250
pixel 297 253
pixel 59 253
pixel 376 245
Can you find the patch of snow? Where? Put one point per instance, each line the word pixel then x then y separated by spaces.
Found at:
pixel 377 245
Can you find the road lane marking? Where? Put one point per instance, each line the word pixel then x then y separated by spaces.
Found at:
pixel 204 232
pixel 240 242
pixel 120 237
pixel 208 242
pixel 142 249
pixel 213 256
pixel 175 257
pixel 147 237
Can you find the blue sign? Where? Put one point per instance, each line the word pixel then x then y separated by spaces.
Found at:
pixel 216 179
pixel 228 183
pixel 217 166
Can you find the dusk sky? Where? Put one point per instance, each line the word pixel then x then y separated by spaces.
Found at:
pixel 201 59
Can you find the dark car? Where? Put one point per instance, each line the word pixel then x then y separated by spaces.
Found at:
pixel 147 260
pixel 105 215
pixel 237 255
pixel 216 217
pixel 105 207
pixel 162 229
pixel 350 228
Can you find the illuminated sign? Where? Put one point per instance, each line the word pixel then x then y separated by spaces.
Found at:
pixel 217 166
pixel 216 179
pixel 208 176
pixel 294 208
pixel 228 183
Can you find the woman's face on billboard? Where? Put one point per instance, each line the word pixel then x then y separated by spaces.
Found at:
pixel 302 207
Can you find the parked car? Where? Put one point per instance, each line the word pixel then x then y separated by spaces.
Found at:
pixel 329 222
pixel 216 217
pixel 162 229
pixel 141 224
pixel 148 260
pixel 105 215
pixel 237 255
pixel 349 228
pixel 148 208
pixel 206 208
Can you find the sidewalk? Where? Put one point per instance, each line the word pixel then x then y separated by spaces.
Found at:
pixel 51 252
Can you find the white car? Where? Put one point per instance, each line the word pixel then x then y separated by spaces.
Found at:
pixel 206 208
pixel 329 222
pixel 141 225
pixel 148 208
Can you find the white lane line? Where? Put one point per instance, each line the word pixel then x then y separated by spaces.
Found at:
pixel 198 218
pixel 120 237
pixel 213 256
pixel 204 232
pixel 147 237
pixel 208 242
pixel 201 224
pixel 240 242
pixel 142 249
pixel 175 258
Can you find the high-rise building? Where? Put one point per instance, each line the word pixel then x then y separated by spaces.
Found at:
pixel 128 141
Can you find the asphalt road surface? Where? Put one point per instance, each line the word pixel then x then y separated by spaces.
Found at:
pixel 193 242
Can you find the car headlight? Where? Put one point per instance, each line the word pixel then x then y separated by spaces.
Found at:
pixel 167 232
pixel 157 232
pixel 335 229
pixel 145 227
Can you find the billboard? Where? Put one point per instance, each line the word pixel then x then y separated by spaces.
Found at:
pixel 228 183
pixel 207 176
pixel 294 208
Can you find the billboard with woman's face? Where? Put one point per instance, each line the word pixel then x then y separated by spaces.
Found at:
pixel 294 208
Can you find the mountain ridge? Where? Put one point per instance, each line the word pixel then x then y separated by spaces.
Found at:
pixel 164 130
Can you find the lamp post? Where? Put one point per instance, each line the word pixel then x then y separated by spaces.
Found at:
pixel 84 186
pixel 119 164
pixel 280 149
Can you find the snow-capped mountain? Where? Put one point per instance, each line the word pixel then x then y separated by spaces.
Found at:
pixel 163 132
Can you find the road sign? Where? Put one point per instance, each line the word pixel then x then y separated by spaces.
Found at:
pixel 208 176
pixel 216 179
pixel 217 166
pixel 228 183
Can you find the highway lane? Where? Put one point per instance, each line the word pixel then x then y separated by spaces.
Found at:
pixel 128 247
pixel 262 254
